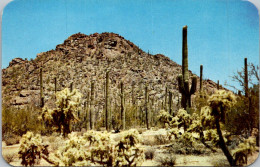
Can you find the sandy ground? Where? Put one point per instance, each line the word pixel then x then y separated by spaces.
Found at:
pixel 212 159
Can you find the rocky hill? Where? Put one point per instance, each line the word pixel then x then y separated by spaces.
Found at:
pixel 83 58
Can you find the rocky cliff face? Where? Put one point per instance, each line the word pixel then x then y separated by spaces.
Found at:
pixel 81 59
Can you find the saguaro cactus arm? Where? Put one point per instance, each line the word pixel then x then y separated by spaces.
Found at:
pixel 193 85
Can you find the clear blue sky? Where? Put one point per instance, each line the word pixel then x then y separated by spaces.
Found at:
pixel 220 32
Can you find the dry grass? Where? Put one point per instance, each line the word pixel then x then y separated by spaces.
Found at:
pixel 155 140
pixel 166 160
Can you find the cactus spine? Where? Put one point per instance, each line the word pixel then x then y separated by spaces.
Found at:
pixel 106 100
pixel 146 108
pixel 91 113
pixel 183 80
pixel 41 89
pixel 201 77
pixel 122 105
pixel 246 78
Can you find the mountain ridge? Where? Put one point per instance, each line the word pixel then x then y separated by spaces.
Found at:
pixel 82 58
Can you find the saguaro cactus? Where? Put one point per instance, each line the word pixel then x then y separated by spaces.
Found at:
pixel 218 85
pixel 170 102
pixel 122 105
pixel 246 79
pixel 106 100
pixel 146 108
pixel 41 89
pixel 165 98
pixel 91 113
pixel 71 86
pixel 201 77
pixel 183 80
pixel 55 85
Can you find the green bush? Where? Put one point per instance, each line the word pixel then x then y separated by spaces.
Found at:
pixel 18 121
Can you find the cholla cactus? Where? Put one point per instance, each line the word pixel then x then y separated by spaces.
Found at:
pixel 212 135
pixel 66 112
pixel 184 118
pixel 221 102
pixel 31 147
pixel 100 147
pixel 164 117
pixel 243 150
pixel 72 154
pixel 127 151
pixel 206 117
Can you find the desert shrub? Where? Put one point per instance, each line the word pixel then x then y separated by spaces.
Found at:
pixel 11 139
pixel 31 148
pixel 127 151
pixel 18 121
pixel 9 157
pixel 60 119
pixel 166 160
pixel 161 139
pixel 149 153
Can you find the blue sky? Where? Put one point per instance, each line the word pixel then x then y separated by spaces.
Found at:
pixel 220 32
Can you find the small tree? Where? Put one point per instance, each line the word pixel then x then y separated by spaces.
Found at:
pixel 60 119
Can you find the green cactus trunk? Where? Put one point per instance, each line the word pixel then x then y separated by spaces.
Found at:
pixel 87 111
pixel 122 105
pixel 41 89
pixel 245 78
pixel 91 113
pixel 146 108
pixel 71 86
pixel 106 101
pixel 165 98
pixel 133 97
pixel 170 102
pixel 218 85
pixel 183 80
pixel 55 85
pixel 201 78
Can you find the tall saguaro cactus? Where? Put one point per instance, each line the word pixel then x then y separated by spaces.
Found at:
pixel 170 102
pixel 146 107
pixel 41 89
pixel 71 86
pixel 201 77
pixel 55 85
pixel 122 105
pixel 246 78
pixel 91 113
pixel 165 100
pixel 106 100
pixel 183 80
